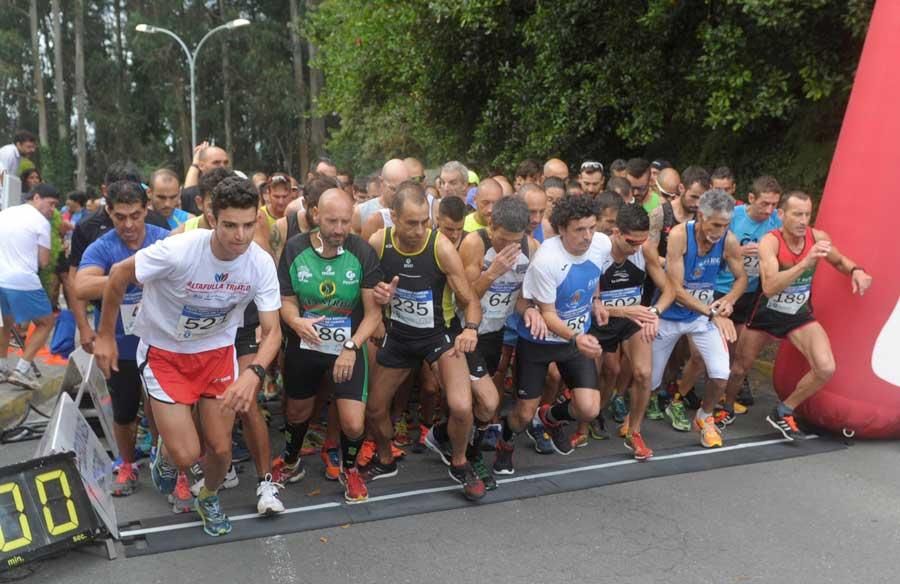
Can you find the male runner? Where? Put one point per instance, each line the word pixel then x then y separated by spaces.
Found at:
pixel 196 286
pixel 561 285
pixel 788 258
pixel 428 267
pixel 126 204
pixel 326 277
pixel 696 251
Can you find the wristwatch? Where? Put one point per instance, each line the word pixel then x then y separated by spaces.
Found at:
pixel 472 325
pixel 713 313
pixel 259 370
pixel 654 310
pixel 350 345
pixel 854 268
pixel 574 340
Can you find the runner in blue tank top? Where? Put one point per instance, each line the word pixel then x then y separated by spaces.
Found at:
pixel 696 252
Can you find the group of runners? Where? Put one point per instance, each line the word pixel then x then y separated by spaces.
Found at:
pixel 600 292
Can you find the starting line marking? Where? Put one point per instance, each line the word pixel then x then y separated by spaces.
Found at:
pixel 414 493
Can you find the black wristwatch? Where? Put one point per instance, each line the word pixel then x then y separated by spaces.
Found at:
pixel 350 345
pixel 574 340
pixel 259 370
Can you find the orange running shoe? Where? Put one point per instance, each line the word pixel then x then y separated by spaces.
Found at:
pixel 355 490
pixel 635 443
pixel 331 456
pixel 366 452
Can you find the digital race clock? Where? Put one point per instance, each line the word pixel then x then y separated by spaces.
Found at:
pixel 43 509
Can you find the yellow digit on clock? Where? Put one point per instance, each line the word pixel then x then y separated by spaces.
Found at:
pixel 25 539
pixel 56 475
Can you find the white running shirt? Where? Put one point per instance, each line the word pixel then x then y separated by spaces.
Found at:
pixel 193 301
pixel 24 230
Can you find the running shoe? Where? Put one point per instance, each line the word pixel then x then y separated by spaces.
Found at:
pixel 239 450
pixel 182 499
pixel 710 437
pixel 397 452
pixel 556 431
pixel 268 502
pixel 678 415
pixel 503 459
pixel 444 450
pixel 419 445
pixel 723 417
pixel 366 452
pixel 619 408
pixel 230 481
pixel 653 411
pixel 691 400
pixel 126 480
pixel 623 429
pixel 579 440
pixel 215 522
pixel 24 380
pixel 331 456
pixel 355 490
pixel 4 374
pixel 378 470
pixel 401 432
pixel 143 442
pixel 635 443
pixel 539 437
pixel 162 473
pixel 786 425
pixel 491 436
pixel 740 409
pixel 745 395
pixel 473 487
pixel 597 428
pixel 285 472
pixel 483 472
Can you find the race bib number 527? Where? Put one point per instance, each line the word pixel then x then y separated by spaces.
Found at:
pixel 197 322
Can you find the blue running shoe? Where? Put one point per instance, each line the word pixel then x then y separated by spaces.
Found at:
pixel 215 523
pixel 619 408
pixel 164 475
pixel 539 436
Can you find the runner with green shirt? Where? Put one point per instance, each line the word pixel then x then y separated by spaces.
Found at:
pixel 326 279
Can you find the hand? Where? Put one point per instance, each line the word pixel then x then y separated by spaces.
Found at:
pixel 641 314
pixel 106 354
pixel 535 323
pixel 588 345
pixel 384 292
pixel 86 338
pixel 305 329
pixel 465 341
pixel 504 261
pixel 726 328
pixel 241 394
pixel 722 307
pixel 649 331
pixel 750 249
pixel 343 366
pixel 860 281
pixel 601 313
pixel 197 150
pixel 819 250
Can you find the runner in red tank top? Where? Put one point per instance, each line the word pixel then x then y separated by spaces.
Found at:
pixel 788 258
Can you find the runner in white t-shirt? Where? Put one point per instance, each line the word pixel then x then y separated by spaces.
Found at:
pixel 196 286
pixel 25 247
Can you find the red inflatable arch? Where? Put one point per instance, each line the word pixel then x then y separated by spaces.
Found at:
pixel 860 210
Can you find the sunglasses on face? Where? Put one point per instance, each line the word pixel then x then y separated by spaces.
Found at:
pixel 635 242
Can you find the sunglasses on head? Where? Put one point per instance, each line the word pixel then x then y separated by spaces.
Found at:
pixel 591 166
pixel 664 192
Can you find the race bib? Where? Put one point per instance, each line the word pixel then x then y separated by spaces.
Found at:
pixel 500 299
pixel 415 309
pixel 128 311
pixel 197 322
pixel 702 291
pixel 790 300
pixel 333 332
pixel 751 266
pixel 622 297
pixel 576 321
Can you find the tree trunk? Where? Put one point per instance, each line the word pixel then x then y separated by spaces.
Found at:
pixel 317 124
pixel 62 122
pixel 226 86
pixel 299 88
pixel 38 74
pixel 184 125
pixel 80 98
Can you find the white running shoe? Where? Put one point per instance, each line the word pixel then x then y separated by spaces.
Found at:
pixel 24 380
pixel 267 491
pixel 230 482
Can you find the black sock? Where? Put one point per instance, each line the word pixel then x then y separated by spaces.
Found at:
pixel 293 440
pixel 474 448
pixel 440 432
pixel 507 433
pixel 560 413
pixel 349 449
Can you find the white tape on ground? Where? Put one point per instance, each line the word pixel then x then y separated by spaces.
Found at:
pixel 417 492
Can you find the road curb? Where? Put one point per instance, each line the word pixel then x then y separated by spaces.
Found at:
pixel 14 401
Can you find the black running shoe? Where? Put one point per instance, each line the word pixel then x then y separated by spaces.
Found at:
pixel 483 472
pixel 503 459
pixel 692 400
pixel 745 396
pixel 786 425
pixel 378 470
pixel 473 487
pixel 561 444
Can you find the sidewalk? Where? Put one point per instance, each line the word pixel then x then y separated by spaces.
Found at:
pixel 14 400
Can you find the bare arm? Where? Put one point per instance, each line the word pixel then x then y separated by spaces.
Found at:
pixel 735 258
pixel 373 224
pixel 105 351
pixel 43 256
pixel 656 224
pixel 771 278
pixel 677 245
pixel 90 282
pixel 356 221
pixel 452 265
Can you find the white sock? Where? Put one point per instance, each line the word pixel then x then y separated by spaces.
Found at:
pixel 23 366
pixel 3 363
pixel 702 415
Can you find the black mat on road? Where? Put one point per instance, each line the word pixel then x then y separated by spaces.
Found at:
pixel 391 498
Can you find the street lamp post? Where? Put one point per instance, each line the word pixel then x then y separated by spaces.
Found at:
pixel 192 59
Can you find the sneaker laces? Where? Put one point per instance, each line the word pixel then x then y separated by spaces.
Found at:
pixel 164 468
pixel 792 424
pixel 182 489
pixel 211 508
pixel 268 487
pixel 126 472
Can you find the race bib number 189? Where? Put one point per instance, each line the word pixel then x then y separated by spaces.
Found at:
pixel 197 322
